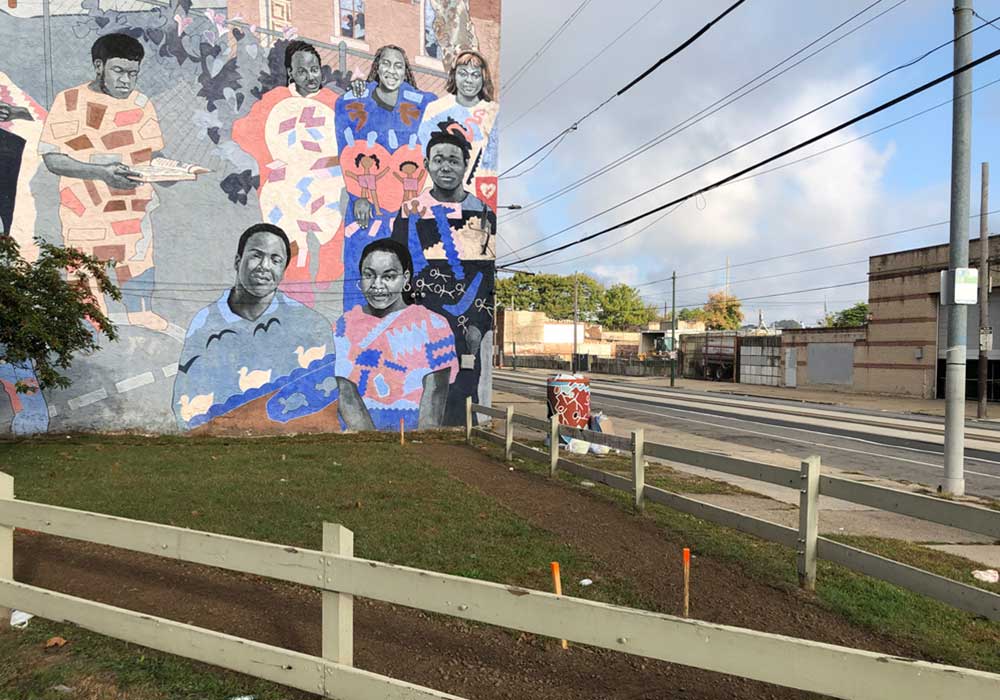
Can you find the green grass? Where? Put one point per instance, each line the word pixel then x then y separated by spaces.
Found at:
pixel 402 509
pixel 935 630
pixel 659 475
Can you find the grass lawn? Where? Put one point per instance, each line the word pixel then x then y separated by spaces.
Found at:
pixel 282 490
pixel 938 631
pixel 278 490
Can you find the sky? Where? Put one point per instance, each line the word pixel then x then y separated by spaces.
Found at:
pixel 896 179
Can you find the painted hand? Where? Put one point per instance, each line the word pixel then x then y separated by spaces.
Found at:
pixel 119 176
pixel 358 87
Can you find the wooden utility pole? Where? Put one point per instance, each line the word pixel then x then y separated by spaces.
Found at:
pixel 984 291
pixel 673 327
pixel 576 314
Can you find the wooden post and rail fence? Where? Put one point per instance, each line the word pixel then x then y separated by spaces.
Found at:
pixel 816 667
pixel 808 480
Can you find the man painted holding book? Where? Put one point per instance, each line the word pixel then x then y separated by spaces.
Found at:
pixel 96 138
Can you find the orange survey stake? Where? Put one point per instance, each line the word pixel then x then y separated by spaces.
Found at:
pixel 557 586
pixel 687 580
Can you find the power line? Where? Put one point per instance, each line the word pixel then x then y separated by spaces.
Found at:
pixel 546 45
pixel 743 145
pixel 813 250
pixel 781 294
pixel 618 242
pixel 649 71
pixel 708 111
pixel 548 95
pixel 786 165
pixel 850 122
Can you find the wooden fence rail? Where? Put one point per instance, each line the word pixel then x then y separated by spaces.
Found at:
pixel 808 481
pixel 810 666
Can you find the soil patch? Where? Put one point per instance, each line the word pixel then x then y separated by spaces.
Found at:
pixel 469 660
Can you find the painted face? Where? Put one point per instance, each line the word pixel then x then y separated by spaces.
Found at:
pixel 306 73
pixel 262 265
pixel 391 69
pixel 117 76
pixel 382 280
pixel 446 165
pixel 469 80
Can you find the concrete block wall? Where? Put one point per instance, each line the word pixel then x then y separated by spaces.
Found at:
pixel 760 365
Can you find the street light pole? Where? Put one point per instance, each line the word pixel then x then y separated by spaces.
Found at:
pixel 958 254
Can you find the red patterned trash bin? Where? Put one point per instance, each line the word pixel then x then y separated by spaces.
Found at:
pixel 569 399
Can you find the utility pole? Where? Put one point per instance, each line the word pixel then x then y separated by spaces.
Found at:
pixel 576 313
pixel 958 254
pixel 673 327
pixel 984 290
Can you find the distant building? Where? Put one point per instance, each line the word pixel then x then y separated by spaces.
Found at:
pixel 901 350
pixel 533 333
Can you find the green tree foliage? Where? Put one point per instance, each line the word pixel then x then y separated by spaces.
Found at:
pixel 856 315
pixel 788 323
pixel 691 315
pixel 550 294
pixel 622 309
pixel 45 319
pixel 722 312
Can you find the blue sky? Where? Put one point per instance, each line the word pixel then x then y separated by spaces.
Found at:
pixel 894 180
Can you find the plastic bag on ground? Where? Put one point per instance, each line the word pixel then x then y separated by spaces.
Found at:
pixel 987 576
pixel 19 620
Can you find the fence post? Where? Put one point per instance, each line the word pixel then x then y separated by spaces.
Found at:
pixel 508 434
pixel 338 608
pixel 468 420
pixel 553 444
pixel 638 468
pixel 808 522
pixel 6 541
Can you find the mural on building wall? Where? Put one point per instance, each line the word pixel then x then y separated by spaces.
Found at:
pixel 303 231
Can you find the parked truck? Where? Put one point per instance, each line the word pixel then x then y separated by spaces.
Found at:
pixel 709 355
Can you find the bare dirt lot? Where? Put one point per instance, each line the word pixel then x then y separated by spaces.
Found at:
pixel 468 660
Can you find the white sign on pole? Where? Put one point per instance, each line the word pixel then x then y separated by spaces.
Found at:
pixel 959 286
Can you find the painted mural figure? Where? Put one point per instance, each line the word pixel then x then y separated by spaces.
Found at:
pixel 377 125
pixel 395 359
pixel 21 121
pixel 93 135
pixel 470 102
pixel 290 134
pixel 20 127
pixel 256 356
pixel 450 233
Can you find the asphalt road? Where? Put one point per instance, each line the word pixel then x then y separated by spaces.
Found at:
pixel 900 447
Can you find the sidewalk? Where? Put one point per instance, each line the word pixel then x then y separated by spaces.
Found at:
pixel 780 505
pixel 865 402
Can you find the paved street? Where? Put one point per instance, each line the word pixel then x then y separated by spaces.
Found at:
pixel 892 446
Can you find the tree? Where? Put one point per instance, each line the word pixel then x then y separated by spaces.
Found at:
pixel 722 312
pixel 550 294
pixel 45 319
pixel 691 315
pixel 622 308
pixel 787 324
pixel 856 315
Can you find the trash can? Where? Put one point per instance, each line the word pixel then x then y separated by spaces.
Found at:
pixel 569 399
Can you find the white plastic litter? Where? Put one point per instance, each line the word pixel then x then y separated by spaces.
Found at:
pixel 588 484
pixel 988 576
pixel 19 620
pixel 244 697
pixel 586 582
pixel 578 447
